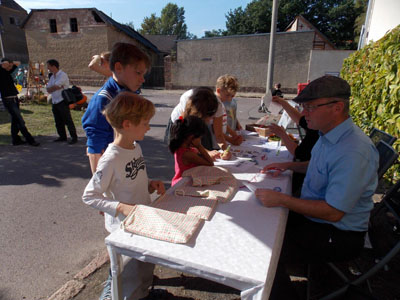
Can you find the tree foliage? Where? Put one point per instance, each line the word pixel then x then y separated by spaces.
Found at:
pixel 334 18
pixel 150 25
pixel 374 76
pixel 171 22
pixel 215 32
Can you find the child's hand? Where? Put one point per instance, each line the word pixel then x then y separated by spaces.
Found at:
pixel 226 155
pixel 214 154
pixel 196 142
pixel 124 209
pixel 237 140
pixel 156 185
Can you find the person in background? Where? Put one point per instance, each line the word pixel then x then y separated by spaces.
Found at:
pixel 185 144
pixel 60 107
pixel 101 64
pixel 120 182
pixel 128 65
pixel 300 152
pixel 9 96
pixel 226 88
pixel 277 90
pixel 329 221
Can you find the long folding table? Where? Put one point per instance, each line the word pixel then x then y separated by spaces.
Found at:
pixel 240 245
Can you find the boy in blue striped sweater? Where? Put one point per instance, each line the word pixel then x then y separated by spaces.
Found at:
pixel 128 65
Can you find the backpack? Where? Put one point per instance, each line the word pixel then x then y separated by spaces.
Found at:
pixel 72 95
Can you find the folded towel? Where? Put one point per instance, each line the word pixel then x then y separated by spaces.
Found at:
pixel 205 175
pixel 201 208
pixel 161 224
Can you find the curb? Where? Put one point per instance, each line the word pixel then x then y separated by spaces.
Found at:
pixel 73 287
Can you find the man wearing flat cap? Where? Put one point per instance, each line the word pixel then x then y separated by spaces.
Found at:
pixel 329 221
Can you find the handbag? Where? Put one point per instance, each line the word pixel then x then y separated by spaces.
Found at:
pixel 72 95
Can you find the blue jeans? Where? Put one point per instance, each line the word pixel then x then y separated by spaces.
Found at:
pixel 17 122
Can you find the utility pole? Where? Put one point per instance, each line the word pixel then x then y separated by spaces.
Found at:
pixel 271 55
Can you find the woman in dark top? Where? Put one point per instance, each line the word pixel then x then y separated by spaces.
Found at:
pixel 302 151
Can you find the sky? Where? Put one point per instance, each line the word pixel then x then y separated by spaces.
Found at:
pixel 200 15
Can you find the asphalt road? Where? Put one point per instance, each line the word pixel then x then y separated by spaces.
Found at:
pixel 47 233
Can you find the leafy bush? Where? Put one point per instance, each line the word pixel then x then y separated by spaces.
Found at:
pixel 374 76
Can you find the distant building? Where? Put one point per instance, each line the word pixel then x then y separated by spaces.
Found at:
pixel 12 36
pixel 165 43
pixel 382 16
pixel 320 41
pixel 73 36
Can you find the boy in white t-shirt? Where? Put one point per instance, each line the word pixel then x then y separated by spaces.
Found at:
pixel 120 180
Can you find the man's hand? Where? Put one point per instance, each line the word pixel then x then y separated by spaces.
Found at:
pixel 269 198
pixel 277 168
pixel 277 130
pixel 156 185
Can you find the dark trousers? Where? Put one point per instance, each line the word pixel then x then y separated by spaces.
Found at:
pixel 308 242
pixel 17 122
pixel 62 117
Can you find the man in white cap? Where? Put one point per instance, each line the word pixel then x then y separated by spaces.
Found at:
pixel 329 220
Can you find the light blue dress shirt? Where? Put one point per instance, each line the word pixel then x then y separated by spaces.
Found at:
pixel 343 172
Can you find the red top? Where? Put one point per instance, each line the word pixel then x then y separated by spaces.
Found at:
pixel 180 167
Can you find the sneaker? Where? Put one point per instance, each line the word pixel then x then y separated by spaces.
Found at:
pixel 34 144
pixel 19 142
pixel 106 294
pixel 60 140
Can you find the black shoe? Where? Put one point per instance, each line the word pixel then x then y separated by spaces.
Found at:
pixel 73 141
pixel 19 142
pixel 60 140
pixel 34 144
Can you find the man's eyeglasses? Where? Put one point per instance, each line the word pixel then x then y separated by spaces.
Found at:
pixel 311 108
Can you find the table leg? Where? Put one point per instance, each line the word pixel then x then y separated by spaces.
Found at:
pixel 114 266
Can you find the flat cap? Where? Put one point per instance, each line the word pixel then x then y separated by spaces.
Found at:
pixel 324 87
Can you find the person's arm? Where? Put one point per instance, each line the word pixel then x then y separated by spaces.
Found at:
pixel 214 154
pixel 312 208
pixel 279 131
pixel 293 113
pixel 238 125
pixel 95 65
pixel 156 185
pixel 60 83
pixel 94 194
pixel 219 134
pixel 233 137
pixel 202 158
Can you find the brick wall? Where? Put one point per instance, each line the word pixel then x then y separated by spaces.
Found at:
pixel 13 37
pixel 73 50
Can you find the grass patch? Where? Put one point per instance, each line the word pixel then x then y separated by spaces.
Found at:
pixel 38 119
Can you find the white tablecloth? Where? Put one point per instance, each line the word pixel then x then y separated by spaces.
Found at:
pixel 238 247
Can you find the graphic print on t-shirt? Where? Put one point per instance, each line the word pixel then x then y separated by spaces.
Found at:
pixel 133 167
pixel 97 176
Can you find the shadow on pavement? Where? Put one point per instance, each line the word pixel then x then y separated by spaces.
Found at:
pixel 51 163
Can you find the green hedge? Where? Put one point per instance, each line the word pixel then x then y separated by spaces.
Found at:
pixel 374 76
